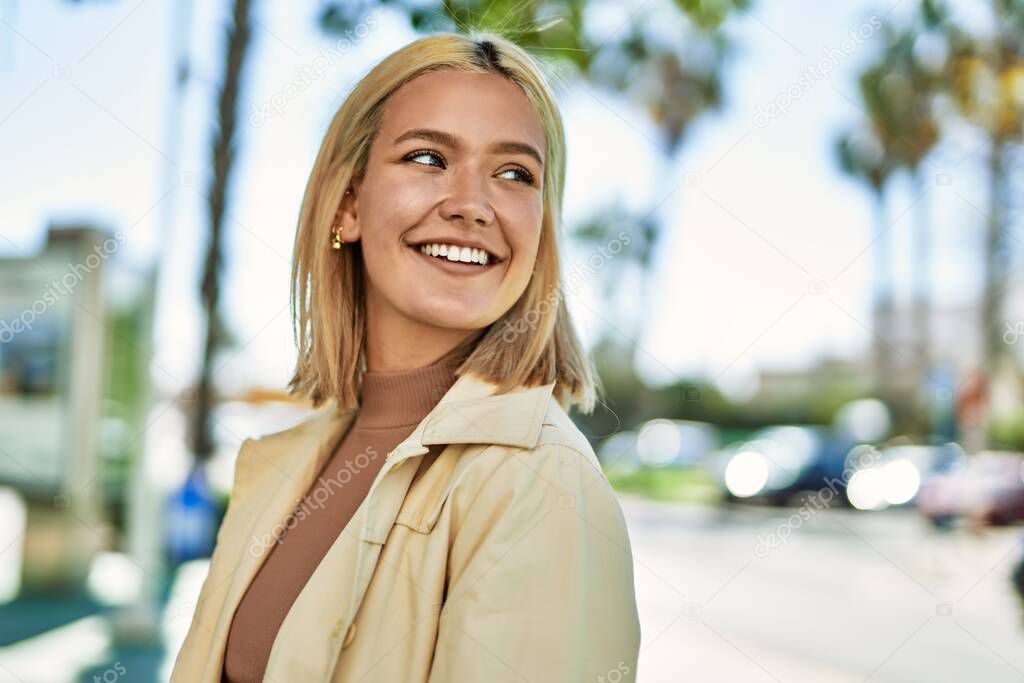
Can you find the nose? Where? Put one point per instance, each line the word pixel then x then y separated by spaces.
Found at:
pixel 467 199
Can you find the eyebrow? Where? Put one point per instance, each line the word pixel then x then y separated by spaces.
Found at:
pixel 448 140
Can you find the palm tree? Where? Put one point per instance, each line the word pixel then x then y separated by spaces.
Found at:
pixel 862 156
pixel 898 92
pixel 986 79
pixel 238 35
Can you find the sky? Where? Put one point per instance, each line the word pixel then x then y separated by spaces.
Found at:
pixel 764 265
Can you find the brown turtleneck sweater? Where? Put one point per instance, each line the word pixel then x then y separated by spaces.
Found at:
pixel 391 406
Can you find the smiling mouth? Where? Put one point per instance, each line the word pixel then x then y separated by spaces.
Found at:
pixel 455 267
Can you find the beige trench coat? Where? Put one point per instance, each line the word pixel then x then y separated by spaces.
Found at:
pixel 507 560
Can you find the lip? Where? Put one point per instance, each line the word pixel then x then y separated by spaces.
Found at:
pixel 453 267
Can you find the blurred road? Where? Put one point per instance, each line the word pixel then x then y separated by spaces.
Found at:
pixel 849 597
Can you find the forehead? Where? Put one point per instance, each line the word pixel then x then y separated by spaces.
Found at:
pixel 474 106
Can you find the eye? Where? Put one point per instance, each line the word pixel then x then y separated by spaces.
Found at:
pixel 527 177
pixel 424 153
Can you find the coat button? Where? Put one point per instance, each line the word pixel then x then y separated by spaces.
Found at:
pixel 336 630
pixel 349 635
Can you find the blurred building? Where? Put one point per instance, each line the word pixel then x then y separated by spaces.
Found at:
pixel 61 372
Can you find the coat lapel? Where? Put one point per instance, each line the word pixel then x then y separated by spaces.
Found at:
pixel 283 466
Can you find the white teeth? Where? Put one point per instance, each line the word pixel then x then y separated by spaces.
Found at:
pixel 455 253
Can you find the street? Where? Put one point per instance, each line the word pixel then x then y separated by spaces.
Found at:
pixel 848 597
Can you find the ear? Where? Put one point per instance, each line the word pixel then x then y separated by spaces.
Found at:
pixel 347 215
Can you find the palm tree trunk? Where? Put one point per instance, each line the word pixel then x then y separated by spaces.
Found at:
pixel 921 254
pixel 238 35
pixel 882 313
pixel 996 266
pixel 649 259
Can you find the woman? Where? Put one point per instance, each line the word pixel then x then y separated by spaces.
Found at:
pixel 440 518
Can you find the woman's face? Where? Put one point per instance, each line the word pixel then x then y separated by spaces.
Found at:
pixel 458 162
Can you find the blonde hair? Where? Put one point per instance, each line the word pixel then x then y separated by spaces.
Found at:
pixel 533 343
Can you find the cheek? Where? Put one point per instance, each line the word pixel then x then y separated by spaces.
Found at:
pixel 524 235
pixel 524 240
pixel 395 204
pixel 381 226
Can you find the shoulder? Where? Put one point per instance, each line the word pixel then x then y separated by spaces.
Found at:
pixel 560 434
pixel 270 452
pixel 560 470
pixel 552 500
pixel 559 441
pixel 310 424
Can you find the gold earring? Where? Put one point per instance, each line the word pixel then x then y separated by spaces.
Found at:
pixel 337 240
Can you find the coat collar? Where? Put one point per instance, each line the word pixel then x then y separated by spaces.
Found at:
pixel 469 412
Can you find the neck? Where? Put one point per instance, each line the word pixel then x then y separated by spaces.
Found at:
pixel 404 397
pixel 395 351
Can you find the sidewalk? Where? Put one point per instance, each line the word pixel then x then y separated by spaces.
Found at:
pixel 69 638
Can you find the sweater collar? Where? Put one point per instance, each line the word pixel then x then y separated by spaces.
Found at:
pixel 397 399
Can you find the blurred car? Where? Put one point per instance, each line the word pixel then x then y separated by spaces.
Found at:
pixel 894 476
pixel 618 452
pixel 984 488
pixel 660 442
pixel 675 443
pixel 780 462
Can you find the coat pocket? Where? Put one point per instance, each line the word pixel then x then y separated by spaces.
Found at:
pixel 428 494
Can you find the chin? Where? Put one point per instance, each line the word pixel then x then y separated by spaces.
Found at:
pixel 453 314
